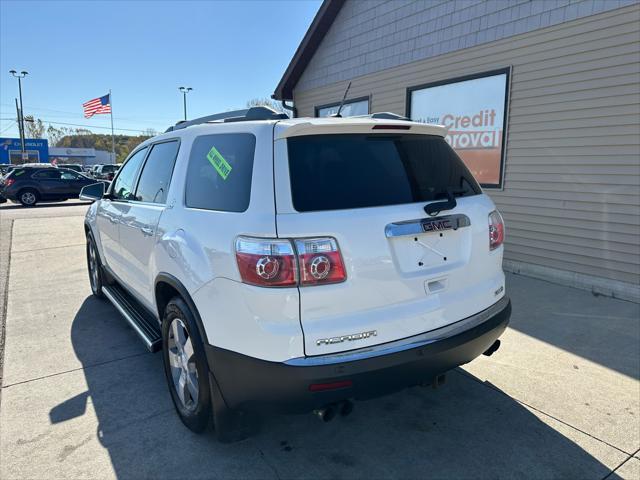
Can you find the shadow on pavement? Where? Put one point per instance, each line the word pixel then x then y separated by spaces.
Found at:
pixel 461 430
pixel 600 329
pixel 13 206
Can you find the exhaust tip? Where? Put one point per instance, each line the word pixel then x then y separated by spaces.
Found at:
pixel 492 349
pixel 325 414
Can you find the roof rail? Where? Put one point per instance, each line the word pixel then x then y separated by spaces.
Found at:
pixel 244 115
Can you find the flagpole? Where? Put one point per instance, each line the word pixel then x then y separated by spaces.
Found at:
pixel 113 140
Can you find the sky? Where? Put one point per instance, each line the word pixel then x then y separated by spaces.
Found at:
pixel 228 51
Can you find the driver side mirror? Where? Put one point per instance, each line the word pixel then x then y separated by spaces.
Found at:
pixel 92 192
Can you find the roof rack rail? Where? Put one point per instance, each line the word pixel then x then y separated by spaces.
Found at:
pixel 244 115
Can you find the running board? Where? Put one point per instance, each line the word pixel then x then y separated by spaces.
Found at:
pixel 144 324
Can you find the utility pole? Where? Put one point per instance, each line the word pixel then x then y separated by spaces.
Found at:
pixel 20 129
pixel 20 76
pixel 184 91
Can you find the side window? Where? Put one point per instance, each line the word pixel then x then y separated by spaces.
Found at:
pixel 219 172
pixel 52 173
pixel 156 173
pixel 122 187
pixel 69 175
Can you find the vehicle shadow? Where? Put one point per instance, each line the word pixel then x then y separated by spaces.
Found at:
pixel 464 429
pixel 600 329
pixel 14 206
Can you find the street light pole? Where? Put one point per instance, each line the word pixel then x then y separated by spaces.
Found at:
pixel 184 91
pixel 20 76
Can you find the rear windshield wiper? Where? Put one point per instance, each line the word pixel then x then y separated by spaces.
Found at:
pixel 449 204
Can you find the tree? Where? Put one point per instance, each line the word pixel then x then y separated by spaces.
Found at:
pixel 267 102
pixel 35 128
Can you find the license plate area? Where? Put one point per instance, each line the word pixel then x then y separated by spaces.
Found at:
pixel 430 245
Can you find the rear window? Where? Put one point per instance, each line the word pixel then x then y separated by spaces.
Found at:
pixel 219 173
pixel 335 172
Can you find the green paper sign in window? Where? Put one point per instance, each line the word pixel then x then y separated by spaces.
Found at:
pixel 219 163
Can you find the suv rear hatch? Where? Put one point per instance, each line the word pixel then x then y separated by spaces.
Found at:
pixel 406 272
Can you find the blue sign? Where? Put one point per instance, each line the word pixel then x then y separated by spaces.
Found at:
pixel 37 150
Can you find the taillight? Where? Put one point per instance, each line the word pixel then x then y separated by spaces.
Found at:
pixel 320 261
pixel 274 263
pixel 9 181
pixel 496 230
pixel 266 262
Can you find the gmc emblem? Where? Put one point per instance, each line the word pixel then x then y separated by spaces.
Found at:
pixel 436 225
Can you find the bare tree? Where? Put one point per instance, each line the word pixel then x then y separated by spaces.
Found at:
pixel 266 102
pixel 35 127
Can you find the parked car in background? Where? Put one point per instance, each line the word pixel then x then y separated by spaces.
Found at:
pixel 4 169
pixel 105 172
pixel 93 169
pixel 76 167
pixel 30 185
pixel 294 265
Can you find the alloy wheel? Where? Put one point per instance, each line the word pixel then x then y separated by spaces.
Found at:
pixel 93 267
pixel 28 198
pixel 182 363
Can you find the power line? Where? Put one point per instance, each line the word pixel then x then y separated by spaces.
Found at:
pixel 132 119
pixel 86 126
pixel 10 125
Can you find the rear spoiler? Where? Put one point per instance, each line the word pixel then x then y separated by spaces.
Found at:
pixel 358 125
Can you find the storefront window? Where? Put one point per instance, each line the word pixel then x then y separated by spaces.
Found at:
pixel 474 108
pixel 351 108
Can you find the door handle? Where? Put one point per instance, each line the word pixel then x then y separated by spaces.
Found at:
pixel 147 231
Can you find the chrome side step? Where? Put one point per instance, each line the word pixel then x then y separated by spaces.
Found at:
pixel 142 322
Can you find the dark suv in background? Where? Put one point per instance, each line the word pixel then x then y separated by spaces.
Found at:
pixel 30 185
pixel 105 172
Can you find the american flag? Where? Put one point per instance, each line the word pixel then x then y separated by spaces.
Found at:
pixel 97 106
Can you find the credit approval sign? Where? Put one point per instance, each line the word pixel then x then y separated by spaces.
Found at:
pixel 474 108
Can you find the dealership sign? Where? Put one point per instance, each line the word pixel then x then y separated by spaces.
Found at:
pixel 474 109
pixel 35 150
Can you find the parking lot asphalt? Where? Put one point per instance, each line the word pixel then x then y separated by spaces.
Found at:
pixel 82 398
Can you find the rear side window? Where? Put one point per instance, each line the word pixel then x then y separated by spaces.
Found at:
pixel 334 172
pixel 219 173
pixel 156 173
pixel 53 173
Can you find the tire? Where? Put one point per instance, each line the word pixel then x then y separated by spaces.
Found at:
pixel 185 366
pixel 28 197
pixel 94 267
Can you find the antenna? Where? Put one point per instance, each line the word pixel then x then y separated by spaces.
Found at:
pixel 344 97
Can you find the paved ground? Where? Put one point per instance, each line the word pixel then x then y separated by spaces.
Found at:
pixel 82 398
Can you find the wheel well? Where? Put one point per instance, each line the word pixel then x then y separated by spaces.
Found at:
pixel 164 293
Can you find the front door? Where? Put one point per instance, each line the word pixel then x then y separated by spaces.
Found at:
pixel 114 207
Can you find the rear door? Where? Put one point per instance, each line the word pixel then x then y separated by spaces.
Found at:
pixel 407 272
pixel 49 183
pixel 139 221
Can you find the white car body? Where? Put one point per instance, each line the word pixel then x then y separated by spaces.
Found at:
pixel 397 285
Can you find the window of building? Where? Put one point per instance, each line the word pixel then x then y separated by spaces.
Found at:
pixel 351 108
pixel 156 173
pixel 123 185
pixel 220 171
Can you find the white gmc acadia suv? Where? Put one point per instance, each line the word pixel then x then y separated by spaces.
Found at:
pixel 294 265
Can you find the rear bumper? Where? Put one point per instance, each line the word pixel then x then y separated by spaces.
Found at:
pixel 250 384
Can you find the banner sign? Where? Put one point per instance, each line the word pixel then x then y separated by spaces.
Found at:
pixel 36 150
pixel 474 109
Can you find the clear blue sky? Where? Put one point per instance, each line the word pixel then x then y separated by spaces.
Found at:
pixel 228 51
